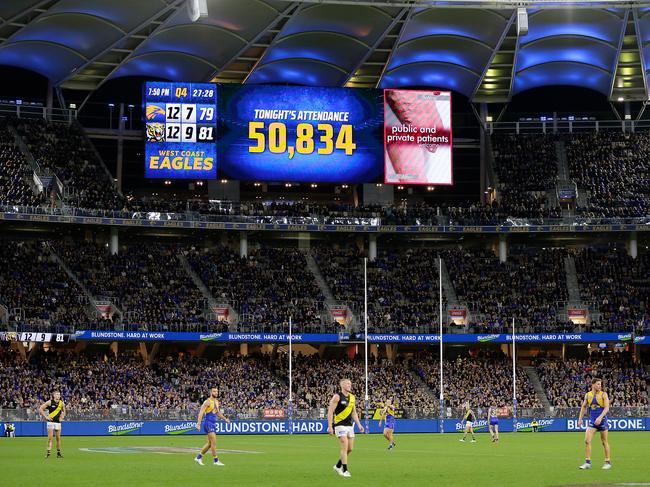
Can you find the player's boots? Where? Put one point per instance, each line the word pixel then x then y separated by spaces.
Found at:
pixel 585 466
pixel 47 455
pixel 58 455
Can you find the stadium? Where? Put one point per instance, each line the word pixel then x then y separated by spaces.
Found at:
pixel 270 242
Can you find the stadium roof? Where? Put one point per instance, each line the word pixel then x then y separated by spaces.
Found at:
pixel 463 46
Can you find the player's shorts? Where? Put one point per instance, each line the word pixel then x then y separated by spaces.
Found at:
pixel 468 424
pixel 603 426
pixel 209 427
pixel 51 425
pixel 341 431
pixel 390 423
pixel 494 422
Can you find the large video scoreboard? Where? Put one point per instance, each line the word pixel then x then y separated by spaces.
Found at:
pixel 297 134
pixel 181 127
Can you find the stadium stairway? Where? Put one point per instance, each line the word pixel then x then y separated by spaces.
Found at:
pixel 330 301
pixel 91 299
pixel 212 302
pixel 561 159
pixel 448 287
pixel 46 177
pixel 424 386
pixel 537 385
pixel 573 288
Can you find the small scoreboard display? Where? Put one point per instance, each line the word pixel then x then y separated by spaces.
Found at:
pixel 181 128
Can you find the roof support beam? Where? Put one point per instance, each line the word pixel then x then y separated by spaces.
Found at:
pixel 379 40
pixel 395 46
pixel 639 41
pixel 619 47
pixel 293 15
pixel 175 4
pixel 494 52
pixel 170 6
pixel 22 13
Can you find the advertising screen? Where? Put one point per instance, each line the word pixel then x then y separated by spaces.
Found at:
pixel 418 137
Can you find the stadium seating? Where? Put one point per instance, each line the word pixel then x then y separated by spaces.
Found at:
pixel 484 381
pixel 145 281
pixel 615 170
pixel 14 173
pixel 38 293
pixel 402 286
pixel 67 152
pixel 566 381
pixel 529 287
pixel 617 286
pixel 266 288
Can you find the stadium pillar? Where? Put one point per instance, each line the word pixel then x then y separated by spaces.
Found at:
pixel 243 244
pixel 154 352
pixel 114 347
pixel 49 99
pixel 120 147
pixel 243 349
pixel 115 241
pixel 483 150
pixel 20 348
pixel 143 352
pixel 372 247
pixel 321 350
pixel 503 249
pixel 304 241
pixel 632 246
pixel 34 350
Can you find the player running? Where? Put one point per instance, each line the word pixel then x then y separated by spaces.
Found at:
pixel 340 414
pixel 468 418
pixel 493 423
pixel 597 402
pixel 388 416
pixel 55 414
pixel 210 410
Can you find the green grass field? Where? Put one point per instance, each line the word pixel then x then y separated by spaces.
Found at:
pixel 306 461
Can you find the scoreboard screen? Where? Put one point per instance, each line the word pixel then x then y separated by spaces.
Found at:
pixel 297 134
pixel 181 127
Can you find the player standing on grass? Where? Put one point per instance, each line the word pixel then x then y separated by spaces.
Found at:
pixel 388 416
pixel 210 411
pixel 55 414
pixel 493 423
pixel 340 414
pixel 468 418
pixel 597 402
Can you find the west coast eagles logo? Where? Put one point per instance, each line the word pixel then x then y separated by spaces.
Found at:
pixel 156 132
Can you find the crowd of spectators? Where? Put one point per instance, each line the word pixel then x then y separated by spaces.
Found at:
pixel 616 285
pixel 528 287
pixel 485 380
pixel 266 287
pixel 403 286
pixel 144 280
pixel 98 384
pixel 14 173
pixel 37 291
pixel 567 381
pixel 68 153
pixel 614 168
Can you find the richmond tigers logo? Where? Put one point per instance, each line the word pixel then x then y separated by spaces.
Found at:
pixel 156 132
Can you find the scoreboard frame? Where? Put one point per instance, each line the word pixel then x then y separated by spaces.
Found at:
pixel 180 130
